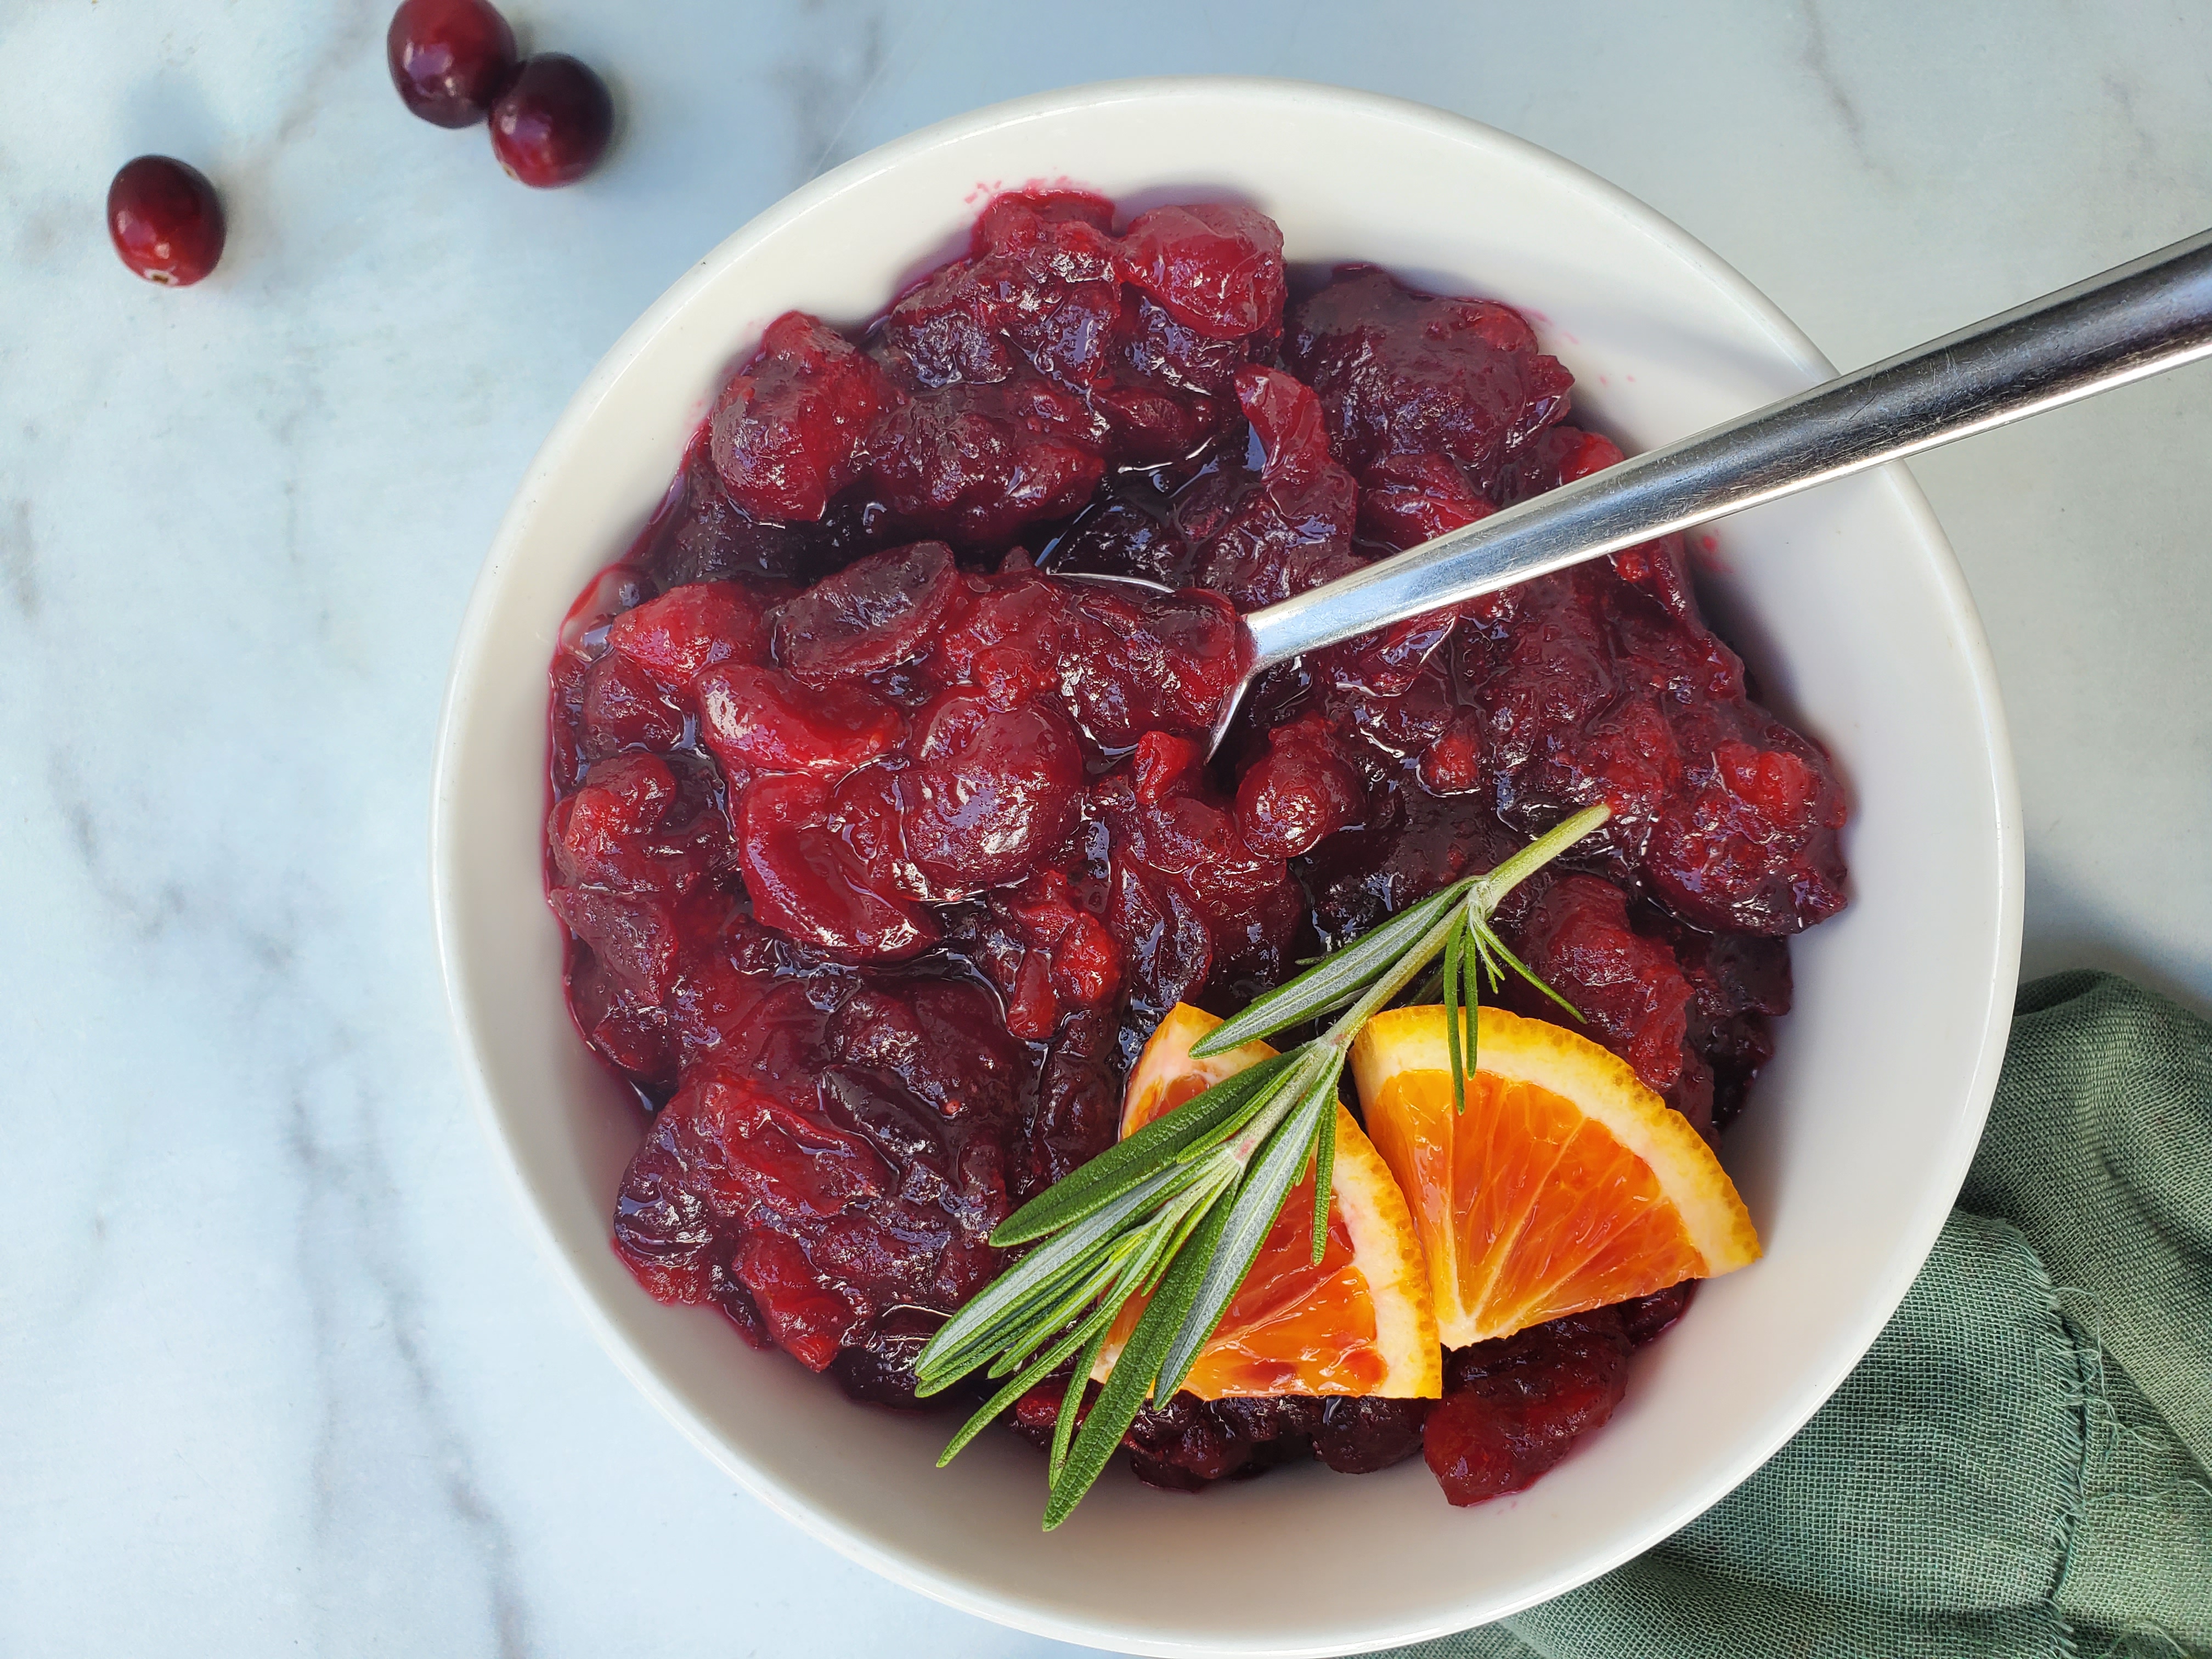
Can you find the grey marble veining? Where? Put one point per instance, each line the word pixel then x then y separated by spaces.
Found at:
pixel 278 1372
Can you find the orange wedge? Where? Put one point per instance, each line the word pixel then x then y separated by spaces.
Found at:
pixel 1361 1322
pixel 1566 1185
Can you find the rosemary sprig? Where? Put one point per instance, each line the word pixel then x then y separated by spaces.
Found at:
pixel 1179 1209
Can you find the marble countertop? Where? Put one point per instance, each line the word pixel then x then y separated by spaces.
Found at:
pixel 278 1368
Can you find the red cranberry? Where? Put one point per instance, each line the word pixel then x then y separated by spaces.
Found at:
pixel 992 791
pixel 1629 989
pixel 165 220
pixel 1216 268
pixel 1359 1434
pixel 1301 790
pixel 551 125
pixel 689 629
pixel 760 720
pixel 809 884
pixel 624 709
pixel 1402 373
pixel 787 429
pixel 1512 1408
pixel 1648 1318
pixel 449 59
pixel 980 464
pixel 874 614
pixel 1407 499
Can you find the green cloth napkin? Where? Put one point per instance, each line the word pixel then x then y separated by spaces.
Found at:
pixel 2019 1466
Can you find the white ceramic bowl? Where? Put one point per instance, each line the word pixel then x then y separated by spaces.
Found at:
pixel 1848 603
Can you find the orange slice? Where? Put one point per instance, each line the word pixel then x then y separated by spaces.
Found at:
pixel 1361 1322
pixel 1566 1185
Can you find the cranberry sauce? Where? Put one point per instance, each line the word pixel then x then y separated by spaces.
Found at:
pixel 881 844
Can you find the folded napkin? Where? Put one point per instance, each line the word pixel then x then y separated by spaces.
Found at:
pixel 2019 1465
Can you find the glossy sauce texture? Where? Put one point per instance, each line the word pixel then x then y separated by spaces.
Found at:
pixel 882 844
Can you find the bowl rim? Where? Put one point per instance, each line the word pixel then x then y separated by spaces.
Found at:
pixel 567 432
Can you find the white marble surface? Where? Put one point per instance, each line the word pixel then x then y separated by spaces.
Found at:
pixel 277 1368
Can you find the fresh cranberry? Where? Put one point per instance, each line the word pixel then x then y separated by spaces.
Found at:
pixel 552 122
pixel 165 219
pixel 449 59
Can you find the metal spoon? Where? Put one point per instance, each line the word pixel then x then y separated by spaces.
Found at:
pixel 2152 314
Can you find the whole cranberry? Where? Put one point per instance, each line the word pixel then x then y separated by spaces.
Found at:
pixel 551 125
pixel 165 220
pixel 449 59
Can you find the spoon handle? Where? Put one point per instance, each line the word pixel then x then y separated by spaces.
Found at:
pixel 2151 315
